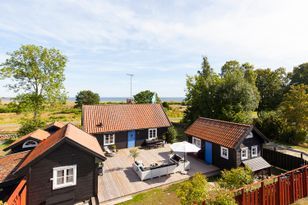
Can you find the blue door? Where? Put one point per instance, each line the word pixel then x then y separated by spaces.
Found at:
pixel 131 138
pixel 208 153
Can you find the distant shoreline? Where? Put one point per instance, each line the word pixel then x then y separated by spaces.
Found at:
pixel 110 99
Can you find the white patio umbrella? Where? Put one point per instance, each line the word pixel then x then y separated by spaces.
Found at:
pixel 184 147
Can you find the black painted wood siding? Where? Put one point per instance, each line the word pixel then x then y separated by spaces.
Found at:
pixel 40 185
pixel 217 160
pixel 255 140
pixel 121 138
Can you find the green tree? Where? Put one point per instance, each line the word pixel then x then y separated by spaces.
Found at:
pixel 193 191
pixel 86 97
pixel 201 93
pixel 171 135
pixel 37 75
pixel 237 97
pixel 231 96
pixel 294 112
pixel 270 124
pixel 166 105
pixel 300 74
pixel 271 85
pixel 235 178
pixel 28 126
pixel 145 97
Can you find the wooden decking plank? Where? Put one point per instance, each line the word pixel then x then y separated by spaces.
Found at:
pixel 120 180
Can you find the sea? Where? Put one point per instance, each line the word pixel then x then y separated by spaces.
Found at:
pixel 113 99
pixel 123 99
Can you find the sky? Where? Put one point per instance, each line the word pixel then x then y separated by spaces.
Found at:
pixel 159 41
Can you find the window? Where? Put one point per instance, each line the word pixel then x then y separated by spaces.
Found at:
pixel 224 152
pixel 152 133
pixel 64 176
pixel 254 151
pixel 109 139
pixel 196 142
pixel 244 153
pixel 29 143
pixel 250 135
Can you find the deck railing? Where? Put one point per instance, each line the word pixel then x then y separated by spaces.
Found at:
pixel 18 197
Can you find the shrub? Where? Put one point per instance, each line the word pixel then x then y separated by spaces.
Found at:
pixel 166 105
pixel 219 196
pixel 235 178
pixel 28 126
pixel 193 191
pixel 171 135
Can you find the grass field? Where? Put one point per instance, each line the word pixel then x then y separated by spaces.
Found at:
pixel 10 122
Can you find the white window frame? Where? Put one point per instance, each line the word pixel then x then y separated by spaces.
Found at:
pixel 55 185
pixel 109 141
pixel 150 133
pixel 250 135
pixel 196 141
pixel 244 150
pixel 26 145
pixel 255 147
pixel 222 149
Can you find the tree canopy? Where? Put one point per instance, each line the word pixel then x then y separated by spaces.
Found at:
pixel 271 85
pixel 229 96
pixel 86 97
pixel 37 75
pixel 145 97
pixel 300 74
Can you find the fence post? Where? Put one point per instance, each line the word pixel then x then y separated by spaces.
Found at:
pixel 292 187
pixel 279 191
pixel 305 182
pixel 243 197
pixel 262 198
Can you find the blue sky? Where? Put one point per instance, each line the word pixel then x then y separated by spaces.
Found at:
pixel 160 41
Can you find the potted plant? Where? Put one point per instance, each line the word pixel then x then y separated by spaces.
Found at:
pixel 134 153
pixel 114 148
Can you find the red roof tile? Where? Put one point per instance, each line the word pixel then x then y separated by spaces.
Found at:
pixel 224 133
pixel 37 134
pixel 8 164
pixel 71 133
pixel 110 118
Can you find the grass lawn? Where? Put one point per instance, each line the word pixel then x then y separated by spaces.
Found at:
pixel 163 196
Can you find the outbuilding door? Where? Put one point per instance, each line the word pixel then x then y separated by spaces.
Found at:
pixel 131 138
pixel 208 153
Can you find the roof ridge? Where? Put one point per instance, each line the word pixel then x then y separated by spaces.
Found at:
pixel 126 104
pixel 227 122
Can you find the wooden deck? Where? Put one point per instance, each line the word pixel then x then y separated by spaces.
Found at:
pixel 120 180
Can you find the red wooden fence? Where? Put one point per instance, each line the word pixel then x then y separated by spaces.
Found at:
pixel 18 197
pixel 282 189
